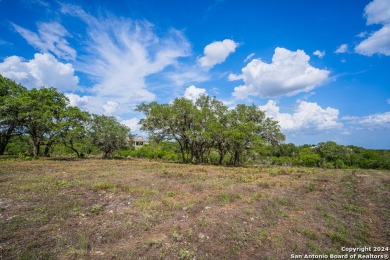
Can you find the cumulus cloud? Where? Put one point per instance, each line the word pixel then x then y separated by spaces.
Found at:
pixel 50 38
pixel 377 12
pixel 308 115
pixel 377 43
pixel 343 48
pixel 216 53
pixel 110 107
pixel 43 70
pixel 319 53
pixel 120 55
pixel 192 92
pixel 76 100
pixel 133 123
pixel 289 73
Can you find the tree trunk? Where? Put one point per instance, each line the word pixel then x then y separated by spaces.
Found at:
pixel 36 148
pixel 5 139
pixel 46 152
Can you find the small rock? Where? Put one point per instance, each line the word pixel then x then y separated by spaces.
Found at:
pixel 201 235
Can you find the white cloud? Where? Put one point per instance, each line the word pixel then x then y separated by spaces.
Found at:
pixel 250 56
pixel 43 70
pixel 76 100
pixel 307 116
pixel 50 38
pixel 289 73
pixel 216 53
pixel 343 48
pixel 192 92
pixel 388 101
pixel 120 55
pixel 133 124
pixel 362 34
pixel 381 120
pixel 110 107
pixel 377 12
pixel 378 42
pixel 319 53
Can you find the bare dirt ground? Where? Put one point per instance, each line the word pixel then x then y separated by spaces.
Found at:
pixel 139 209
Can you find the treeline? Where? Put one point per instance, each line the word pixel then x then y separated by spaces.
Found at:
pixel 33 122
pixel 40 122
pixel 325 155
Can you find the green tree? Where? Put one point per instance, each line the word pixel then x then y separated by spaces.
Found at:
pixel 171 121
pixel 109 135
pixel 75 131
pixel 10 119
pixel 40 114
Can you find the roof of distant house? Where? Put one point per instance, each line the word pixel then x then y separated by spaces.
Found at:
pixel 139 139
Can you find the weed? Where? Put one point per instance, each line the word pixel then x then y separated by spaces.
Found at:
pixel 103 185
pixel 186 254
pixel 309 187
pixel 261 234
pixel 354 208
pixel 338 237
pixel 177 236
pixel 309 234
pixel 96 208
pixel 263 184
pixel 153 243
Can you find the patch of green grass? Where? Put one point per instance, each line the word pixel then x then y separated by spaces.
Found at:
pixel 354 208
pixel 261 234
pixel 176 236
pixel 338 237
pixel 186 254
pixel 309 234
pixel 310 187
pixel 226 198
pixel 264 184
pixel 103 185
pixel 153 243
pixel 96 209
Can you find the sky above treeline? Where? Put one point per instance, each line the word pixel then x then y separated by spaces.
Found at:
pixel 321 68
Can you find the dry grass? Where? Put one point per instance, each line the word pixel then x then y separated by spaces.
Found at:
pixel 137 209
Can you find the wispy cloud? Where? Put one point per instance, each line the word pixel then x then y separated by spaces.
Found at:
pixel 120 55
pixel 49 38
pixel 250 56
pixel 343 48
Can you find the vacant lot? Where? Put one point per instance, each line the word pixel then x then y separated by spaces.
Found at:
pixel 137 209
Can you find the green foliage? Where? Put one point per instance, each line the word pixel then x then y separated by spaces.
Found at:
pixel 203 131
pixel 40 113
pixel 207 126
pixel 10 121
pixel 109 135
pixel 75 131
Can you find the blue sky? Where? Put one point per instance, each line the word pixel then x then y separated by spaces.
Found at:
pixel 321 68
